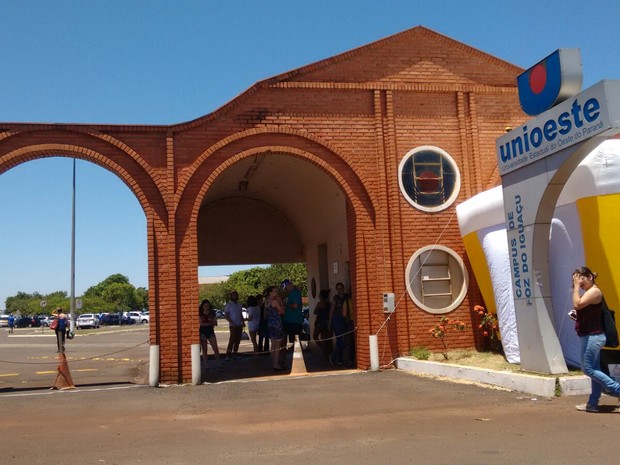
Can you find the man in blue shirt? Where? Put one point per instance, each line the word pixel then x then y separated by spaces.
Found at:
pixel 293 310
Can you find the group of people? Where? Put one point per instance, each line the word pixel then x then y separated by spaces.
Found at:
pixel 335 318
pixel 276 316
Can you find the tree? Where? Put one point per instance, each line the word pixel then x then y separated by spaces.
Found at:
pixel 99 289
pixel 296 272
pixel 142 298
pixel 30 304
pixel 255 281
pixel 216 293
pixel 121 295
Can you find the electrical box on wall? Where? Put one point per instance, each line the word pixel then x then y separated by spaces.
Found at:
pixel 388 302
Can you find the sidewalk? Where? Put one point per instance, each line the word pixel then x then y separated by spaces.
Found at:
pixel 539 385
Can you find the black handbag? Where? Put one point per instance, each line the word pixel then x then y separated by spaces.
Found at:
pixel 609 325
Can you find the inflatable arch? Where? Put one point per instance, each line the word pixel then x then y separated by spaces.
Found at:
pixel 583 231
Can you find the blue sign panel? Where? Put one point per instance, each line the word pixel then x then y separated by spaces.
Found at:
pixel 550 81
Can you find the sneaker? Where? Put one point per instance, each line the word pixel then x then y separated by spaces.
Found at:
pixel 587 408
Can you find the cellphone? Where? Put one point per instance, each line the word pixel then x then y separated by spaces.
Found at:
pixel 572 315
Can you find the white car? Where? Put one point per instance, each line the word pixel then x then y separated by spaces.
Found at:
pixel 139 317
pixel 87 320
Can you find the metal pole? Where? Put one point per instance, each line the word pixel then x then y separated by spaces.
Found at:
pixel 72 301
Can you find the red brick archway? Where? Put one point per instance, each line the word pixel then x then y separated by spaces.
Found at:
pixel 354 116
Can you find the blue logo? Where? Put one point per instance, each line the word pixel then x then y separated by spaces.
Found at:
pixel 550 81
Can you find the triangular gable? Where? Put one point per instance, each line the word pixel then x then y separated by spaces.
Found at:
pixel 415 56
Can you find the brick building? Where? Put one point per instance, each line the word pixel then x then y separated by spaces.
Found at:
pixel 353 165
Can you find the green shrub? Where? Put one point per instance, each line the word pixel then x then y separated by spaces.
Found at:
pixel 421 353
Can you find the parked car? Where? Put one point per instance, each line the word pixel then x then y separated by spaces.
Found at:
pixel 4 321
pixel 219 313
pixel 115 319
pixel 27 322
pixel 139 317
pixel 110 319
pixel 87 320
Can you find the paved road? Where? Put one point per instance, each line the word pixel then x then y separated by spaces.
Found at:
pixel 244 414
pixel 342 418
pixel 28 358
pixel 113 355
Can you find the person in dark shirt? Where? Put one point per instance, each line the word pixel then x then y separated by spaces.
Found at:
pixel 321 334
pixel 588 306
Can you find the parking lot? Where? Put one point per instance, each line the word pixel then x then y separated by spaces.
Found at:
pixel 108 355
pixel 113 355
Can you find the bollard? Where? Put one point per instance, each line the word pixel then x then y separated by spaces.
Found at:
pixel 154 366
pixel 374 353
pixel 196 368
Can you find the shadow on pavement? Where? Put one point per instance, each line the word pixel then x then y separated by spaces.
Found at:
pixel 251 366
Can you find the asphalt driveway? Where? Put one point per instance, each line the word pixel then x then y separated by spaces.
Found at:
pixel 341 418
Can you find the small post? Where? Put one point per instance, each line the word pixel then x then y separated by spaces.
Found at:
pixel 196 366
pixel 374 352
pixel 154 366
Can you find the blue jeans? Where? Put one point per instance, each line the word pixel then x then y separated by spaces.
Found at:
pixel 591 365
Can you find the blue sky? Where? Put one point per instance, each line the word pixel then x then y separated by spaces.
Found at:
pixel 163 62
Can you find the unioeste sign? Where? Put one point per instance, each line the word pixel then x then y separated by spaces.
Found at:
pixel 585 115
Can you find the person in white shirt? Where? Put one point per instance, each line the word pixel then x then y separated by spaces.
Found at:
pixel 234 314
pixel 253 319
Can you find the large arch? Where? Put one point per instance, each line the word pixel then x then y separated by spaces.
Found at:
pixel 17 147
pixel 359 207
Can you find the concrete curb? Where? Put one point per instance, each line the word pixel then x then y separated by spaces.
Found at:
pixel 544 386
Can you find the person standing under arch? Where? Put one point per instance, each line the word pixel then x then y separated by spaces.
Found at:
pixel 293 311
pixel 321 333
pixel 342 325
pixel 274 311
pixel 208 322
pixel 234 314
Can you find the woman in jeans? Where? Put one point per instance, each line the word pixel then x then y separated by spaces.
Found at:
pixel 61 329
pixel 589 326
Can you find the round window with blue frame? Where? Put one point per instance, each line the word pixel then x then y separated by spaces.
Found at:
pixel 429 178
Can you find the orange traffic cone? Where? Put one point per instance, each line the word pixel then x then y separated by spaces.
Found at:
pixel 298 367
pixel 63 377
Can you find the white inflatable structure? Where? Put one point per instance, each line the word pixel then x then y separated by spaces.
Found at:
pixel 584 231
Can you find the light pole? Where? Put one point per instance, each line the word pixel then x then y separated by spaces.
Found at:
pixel 72 300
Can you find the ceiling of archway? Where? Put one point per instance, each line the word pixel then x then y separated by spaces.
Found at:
pixel 298 192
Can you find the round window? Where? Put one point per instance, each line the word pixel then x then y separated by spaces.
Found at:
pixel 436 279
pixel 429 178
